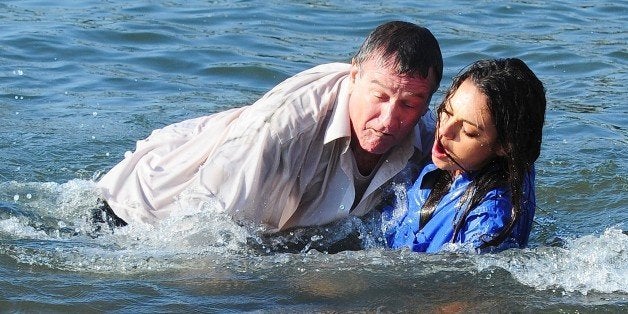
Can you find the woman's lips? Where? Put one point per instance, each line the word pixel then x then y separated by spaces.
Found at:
pixel 438 151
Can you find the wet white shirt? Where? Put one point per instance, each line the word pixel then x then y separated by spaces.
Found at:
pixel 282 162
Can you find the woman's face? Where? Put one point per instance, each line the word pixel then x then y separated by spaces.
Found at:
pixel 465 132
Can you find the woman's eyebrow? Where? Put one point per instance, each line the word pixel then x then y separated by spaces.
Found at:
pixel 473 124
pixel 450 110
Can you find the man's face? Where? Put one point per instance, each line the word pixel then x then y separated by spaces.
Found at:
pixel 385 106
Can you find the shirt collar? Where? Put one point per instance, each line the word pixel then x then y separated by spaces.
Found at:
pixel 423 133
pixel 340 124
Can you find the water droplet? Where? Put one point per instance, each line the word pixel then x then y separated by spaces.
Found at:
pixel 29 196
pixel 16 197
pixel 342 207
pixel 94 113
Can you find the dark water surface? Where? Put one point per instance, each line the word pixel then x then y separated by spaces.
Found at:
pixel 81 81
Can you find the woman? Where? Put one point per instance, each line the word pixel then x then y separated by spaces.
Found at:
pixel 478 187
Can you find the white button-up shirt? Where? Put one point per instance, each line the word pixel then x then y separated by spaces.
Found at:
pixel 282 162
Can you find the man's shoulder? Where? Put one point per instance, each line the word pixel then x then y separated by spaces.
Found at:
pixel 423 133
pixel 329 67
pixel 302 103
pixel 313 80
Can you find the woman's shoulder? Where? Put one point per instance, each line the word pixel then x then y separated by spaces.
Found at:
pixel 495 201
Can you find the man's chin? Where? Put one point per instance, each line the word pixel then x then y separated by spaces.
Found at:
pixel 377 150
pixel 376 146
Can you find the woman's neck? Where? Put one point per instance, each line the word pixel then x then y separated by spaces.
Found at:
pixel 455 173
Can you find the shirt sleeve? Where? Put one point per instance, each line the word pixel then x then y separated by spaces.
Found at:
pixel 491 216
pixel 486 221
pixel 248 159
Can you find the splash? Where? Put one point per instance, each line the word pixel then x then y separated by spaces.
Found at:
pixel 400 210
pixel 587 264
pixel 53 228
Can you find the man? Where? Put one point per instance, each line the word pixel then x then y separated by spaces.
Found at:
pixel 315 149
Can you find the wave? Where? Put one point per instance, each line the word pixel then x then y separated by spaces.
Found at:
pixel 49 225
pixel 584 264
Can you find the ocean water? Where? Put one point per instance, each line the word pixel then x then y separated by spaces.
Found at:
pixel 81 81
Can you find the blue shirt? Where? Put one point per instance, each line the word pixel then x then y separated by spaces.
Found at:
pixel 401 222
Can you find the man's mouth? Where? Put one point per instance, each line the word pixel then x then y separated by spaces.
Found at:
pixel 380 133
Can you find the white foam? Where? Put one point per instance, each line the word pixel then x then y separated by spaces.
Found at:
pixel 16 228
pixel 52 229
pixel 586 264
pixel 57 216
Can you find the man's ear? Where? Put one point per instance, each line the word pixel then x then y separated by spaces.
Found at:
pixel 353 75
pixel 353 72
pixel 427 105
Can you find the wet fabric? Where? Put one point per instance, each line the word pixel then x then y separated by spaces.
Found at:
pixel 401 222
pixel 282 162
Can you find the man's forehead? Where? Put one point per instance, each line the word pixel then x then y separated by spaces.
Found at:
pixel 383 71
pixel 394 81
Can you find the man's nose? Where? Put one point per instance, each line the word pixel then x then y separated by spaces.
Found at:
pixel 389 115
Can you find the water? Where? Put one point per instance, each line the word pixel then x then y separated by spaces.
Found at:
pixel 80 82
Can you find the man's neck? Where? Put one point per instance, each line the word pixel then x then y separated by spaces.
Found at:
pixel 366 162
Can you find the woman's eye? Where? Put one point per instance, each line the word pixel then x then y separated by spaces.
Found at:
pixel 470 134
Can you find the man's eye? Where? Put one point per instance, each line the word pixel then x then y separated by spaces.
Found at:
pixel 379 96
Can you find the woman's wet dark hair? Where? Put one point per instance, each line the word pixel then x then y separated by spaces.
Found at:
pixel 414 48
pixel 516 101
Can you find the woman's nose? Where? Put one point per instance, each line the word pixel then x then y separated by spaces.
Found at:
pixel 447 128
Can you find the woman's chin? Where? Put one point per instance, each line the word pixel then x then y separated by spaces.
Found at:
pixel 440 163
